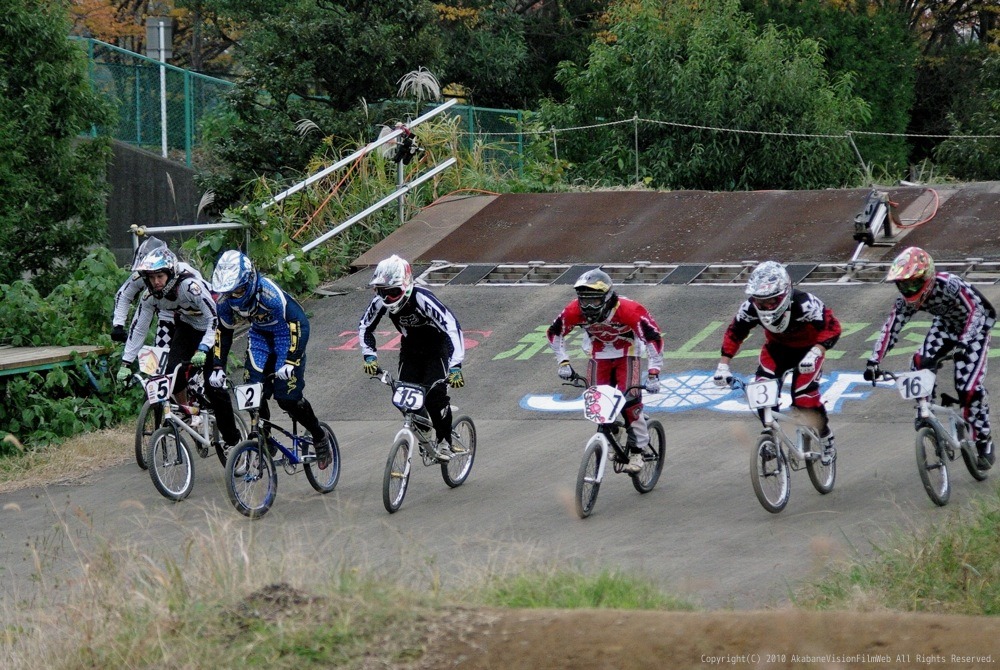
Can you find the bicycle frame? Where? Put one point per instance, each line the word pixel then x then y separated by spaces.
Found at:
pixel 762 396
pixel 946 422
pixel 417 424
pixel 160 390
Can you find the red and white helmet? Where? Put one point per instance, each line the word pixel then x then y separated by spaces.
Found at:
pixel 393 282
pixel 913 274
pixel 770 291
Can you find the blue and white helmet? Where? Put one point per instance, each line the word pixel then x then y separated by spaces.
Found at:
pixel 770 291
pixel 156 261
pixel 148 245
pixel 235 281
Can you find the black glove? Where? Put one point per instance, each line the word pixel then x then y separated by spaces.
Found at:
pixel 118 334
pixel 872 371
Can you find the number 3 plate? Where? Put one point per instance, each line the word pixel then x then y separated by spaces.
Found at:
pixel 918 384
pixel 763 393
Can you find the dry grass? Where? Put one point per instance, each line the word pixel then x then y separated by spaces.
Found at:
pixel 75 458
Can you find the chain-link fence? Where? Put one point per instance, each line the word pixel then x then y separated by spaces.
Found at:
pixel 498 131
pixel 158 106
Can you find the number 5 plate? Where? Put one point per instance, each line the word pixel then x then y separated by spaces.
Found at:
pixel 918 384
pixel 248 396
pixel 763 393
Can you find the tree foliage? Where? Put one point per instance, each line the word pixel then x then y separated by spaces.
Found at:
pixel 977 159
pixel 52 186
pixel 708 66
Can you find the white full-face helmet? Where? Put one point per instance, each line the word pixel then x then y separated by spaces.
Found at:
pixel 770 292
pixel 393 282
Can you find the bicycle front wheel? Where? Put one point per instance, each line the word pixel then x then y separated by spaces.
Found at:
pixel 397 475
pixel 150 418
pixel 326 480
pixel 652 460
pixel 463 447
pixel 251 480
pixel 822 476
pixel 587 484
pixel 770 475
pixel 933 466
pixel 170 464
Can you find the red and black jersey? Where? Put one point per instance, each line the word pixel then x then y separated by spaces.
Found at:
pixel 626 328
pixel 810 322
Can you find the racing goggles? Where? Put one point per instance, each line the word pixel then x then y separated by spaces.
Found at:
pixel 910 287
pixel 238 292
pixel 389 294
pixel 768 304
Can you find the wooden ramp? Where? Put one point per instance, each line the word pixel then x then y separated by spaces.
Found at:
pixel 17 360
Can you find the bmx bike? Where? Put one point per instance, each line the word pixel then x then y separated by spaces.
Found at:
pixel 417 437
pixel 942 432
pixel 168 452
pixel 787 443
pixel 602 404
pixel 251 468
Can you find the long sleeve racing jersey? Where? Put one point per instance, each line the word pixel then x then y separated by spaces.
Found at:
pixel 278 325
pixel 810 322
pixel 427 327
pixel 621 333
pixel 958 307
pixel 190 301
pixel 132 287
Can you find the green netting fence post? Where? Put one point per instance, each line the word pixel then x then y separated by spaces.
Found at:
pixel 469 112
pixel 188 117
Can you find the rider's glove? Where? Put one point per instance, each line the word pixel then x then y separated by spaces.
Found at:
pixel 653 380
pixel 123 374
pixel 371 365
pixel 723 377
pixel 872 371
pixel 118 334
pixel 198 359
pixel 455 379
pixel 218 378
pixel 565 370
pixel 284 373
pixel 808 363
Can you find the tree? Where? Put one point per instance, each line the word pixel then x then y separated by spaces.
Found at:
pixel 977 159
pixel 707 66
pixel 52 188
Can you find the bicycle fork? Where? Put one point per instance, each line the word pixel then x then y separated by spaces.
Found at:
pixel 599 438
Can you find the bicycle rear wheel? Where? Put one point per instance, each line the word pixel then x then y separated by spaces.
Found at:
pixel 251 480
pixel 971 458
pixel 587 484
pixel 770 475
pixel 822 476
pixel 326 480
pixel 397 475
pixel 932 466
pixel 652 460
pixel 150 418
pixel 170 464
pixel 463 445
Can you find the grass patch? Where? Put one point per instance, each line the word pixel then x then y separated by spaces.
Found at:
pixel 561 589
pixel 949 567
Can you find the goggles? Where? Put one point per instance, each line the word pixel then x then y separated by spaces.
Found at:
pixel 768 304
pixel 910 287
pixel 238 292
pixel 389 294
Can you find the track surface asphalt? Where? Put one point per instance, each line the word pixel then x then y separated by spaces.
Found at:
pixel 700 533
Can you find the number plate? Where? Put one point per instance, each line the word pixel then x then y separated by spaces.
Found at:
pixel 151 360
pixel 918 384
pixel 408 398
pixel 157 389
pixel 763 393
pixel 601 404
pixel 248 396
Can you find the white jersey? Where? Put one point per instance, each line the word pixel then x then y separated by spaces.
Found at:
pixel 133 286
pixel 190 301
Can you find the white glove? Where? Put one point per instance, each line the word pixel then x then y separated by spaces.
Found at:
pixel 285 371
pixel 565 370
pixel 653 383
pixel 218 378
pixel 723 377
pixel 808 363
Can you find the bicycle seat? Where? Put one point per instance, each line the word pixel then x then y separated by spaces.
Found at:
pixel 949 401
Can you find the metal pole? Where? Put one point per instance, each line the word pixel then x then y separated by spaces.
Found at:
pixel 635 121
pixel 399 185
pixel 360 152
pixel 163 93
pixel 378 205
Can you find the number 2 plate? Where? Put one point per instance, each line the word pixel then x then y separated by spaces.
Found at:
pixel 917 384
pixel 248 396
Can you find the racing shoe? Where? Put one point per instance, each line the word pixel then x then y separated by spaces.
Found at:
pixel 443 451
pixel 634 464
pixel 987 457
pixel 323 453
pixel 829 452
